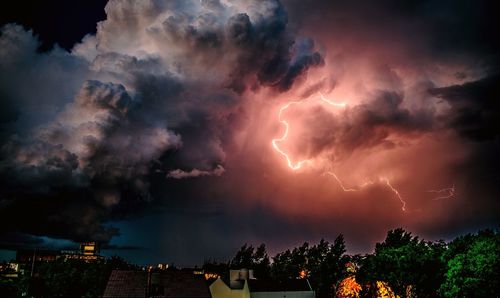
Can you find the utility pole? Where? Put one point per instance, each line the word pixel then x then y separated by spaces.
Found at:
pixel 148 288
pixel 33 262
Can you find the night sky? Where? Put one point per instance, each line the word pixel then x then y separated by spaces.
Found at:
pixel 176 131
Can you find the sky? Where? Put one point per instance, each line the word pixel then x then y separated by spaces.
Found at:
pixel 176 131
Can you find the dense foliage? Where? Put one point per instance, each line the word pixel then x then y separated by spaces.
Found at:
pixel 472 266
pixel 403 260
pixel 68 278
pixel 401 266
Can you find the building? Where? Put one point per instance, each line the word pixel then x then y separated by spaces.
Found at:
pixel 89 248
pixel 162 284
pixel 25 256
pixel 242 284
pixel 9 270
pixel 89 251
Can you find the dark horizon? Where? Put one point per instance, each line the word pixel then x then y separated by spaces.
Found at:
pixel 129 253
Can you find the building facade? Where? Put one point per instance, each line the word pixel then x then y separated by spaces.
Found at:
pixel 241 284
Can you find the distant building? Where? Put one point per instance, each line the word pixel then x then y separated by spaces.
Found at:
pixel 162 266
pixel 9 270
pixel 162 284
pixel 89 248
pixel 242 284
pixel 27 255
pixel 89 251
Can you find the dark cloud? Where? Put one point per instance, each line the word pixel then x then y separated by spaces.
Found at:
pixel 14 241
pixel 460 28
pixel 81 144
pixel 31 88
pixel 69 175
pixel 380 122
pixel 269 49
pixel 474 114
pixel 475 107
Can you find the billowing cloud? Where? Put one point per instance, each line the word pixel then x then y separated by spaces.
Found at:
pixel 397 100
pixel 83 132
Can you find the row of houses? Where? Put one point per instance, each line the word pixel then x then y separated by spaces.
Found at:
pixel 191 284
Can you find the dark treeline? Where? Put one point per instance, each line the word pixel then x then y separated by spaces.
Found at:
pixel 403 265
pixel 64 278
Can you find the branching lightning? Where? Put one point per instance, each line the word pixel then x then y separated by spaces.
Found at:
pixel 403 207
pixel 346 189
pixel 293 166
pixel 275 142
pixel 358 188
pixel 445 193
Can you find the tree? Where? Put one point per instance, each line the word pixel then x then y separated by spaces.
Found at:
pixel 323 264
pixel 251 258
pixel 262 264
pixel 243 257
pixel 71 278
pixel 327 266
pixel 348 288
pixel 290 264
pixel 473 270
pixel 403 260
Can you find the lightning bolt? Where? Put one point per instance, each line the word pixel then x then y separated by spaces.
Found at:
pixel 332 103
pixel 275 142
pixel 403 207
pixel 445 193
pixel 299 164
pixel 358 188
pixel 293 166
pixel 346 189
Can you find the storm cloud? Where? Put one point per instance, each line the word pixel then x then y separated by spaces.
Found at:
pixel 83 131
pixel 169 110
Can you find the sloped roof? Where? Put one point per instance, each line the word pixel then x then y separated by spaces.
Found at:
pixel 126 284
pixel 290 285
pixel 167 284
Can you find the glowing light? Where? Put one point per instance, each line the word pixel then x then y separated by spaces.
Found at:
pixel 342 184
pixel 332 103
pixel 445 193
pixel 358 188
pixel 303 274
pixel 275 142
pixel 297 165
pixel 403 207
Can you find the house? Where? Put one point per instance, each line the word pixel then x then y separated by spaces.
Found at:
pixel 163 284
pixel 242 284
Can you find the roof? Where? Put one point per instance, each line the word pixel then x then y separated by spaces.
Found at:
pixel 166 284
pixel 129 284
pixel 290 285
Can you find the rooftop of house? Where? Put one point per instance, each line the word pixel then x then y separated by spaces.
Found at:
pixel 171 284
pixel 126 284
